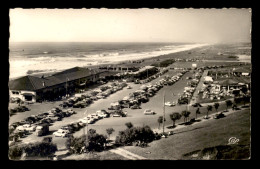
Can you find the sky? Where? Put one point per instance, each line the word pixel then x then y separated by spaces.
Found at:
pixel 130 25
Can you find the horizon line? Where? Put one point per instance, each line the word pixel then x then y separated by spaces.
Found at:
pixel 123 42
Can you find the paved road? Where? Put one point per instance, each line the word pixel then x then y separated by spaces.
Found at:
pixel 198 88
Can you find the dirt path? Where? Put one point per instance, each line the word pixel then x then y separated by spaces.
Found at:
pixel 127 154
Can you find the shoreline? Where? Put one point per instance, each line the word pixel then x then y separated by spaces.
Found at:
pixel 194 53
pixel 117 62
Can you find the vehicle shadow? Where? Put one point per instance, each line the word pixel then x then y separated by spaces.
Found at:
pixel 171 127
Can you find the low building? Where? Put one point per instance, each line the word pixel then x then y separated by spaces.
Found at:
pixel 243 71
pixel 31 88
pixel 144 72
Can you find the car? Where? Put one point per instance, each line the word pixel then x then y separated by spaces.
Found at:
pixel 20 128
pixel 61 133
pixel 53 117
pixel 30 128
pixel 116 115
pixel 100 97
pixel 84 120
pixel 220 115
pixel 196 105
pixel 80 105
pixel 95 116
pixel 169 104
pixel 135 106
pixel 149 112
pixel 129 87
pixel 206 117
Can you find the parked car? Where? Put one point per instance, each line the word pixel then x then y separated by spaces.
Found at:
pixel 129 87
pixel 135 106
pixel 220 115
pixel 53 117
pixel 116 115
pixel 196 105
pixel 149 112
pixel 169 104
pixel 79 105
pixel 61 133
pixel 30 128
pixel 20 128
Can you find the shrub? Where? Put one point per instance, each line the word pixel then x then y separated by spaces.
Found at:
pixel 94 142
pixel 15 152
pixel 40 149
pixel 129 125
pixel 135 134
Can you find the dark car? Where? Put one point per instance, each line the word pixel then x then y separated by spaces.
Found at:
pixel 220 115
pixel 183 101
pixel 79 105
pixel 196 105
pixel 135 106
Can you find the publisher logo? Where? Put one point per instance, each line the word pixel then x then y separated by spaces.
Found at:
pixel 233 140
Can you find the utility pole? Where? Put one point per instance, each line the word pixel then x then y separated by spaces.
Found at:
pixel 66 87
pixel 147 73
pixel 86 135
pixel 163 110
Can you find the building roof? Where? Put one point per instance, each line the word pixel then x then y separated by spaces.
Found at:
pixel 28 83
pixel 228 82
pixel 243 70
pixel 32 83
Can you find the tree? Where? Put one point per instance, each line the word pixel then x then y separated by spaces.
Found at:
pixel 216 105
pixel 175 116
pixel 110 131
pixel 185 115
pixel 36 149
pixel 129 125
pixel 19 102
pixel 209 108
pixel 228 103
pixel 244 99
pixel 95 142
pixel 160 120
pixel 197 111
pixel 92 131
pixel 143 135
pixel 244 90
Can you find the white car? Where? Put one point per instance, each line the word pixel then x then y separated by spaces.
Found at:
pixel 116 115
pixel 102 113
pixel 149 112
pixel 30 128
pixel 84 120
pixel 20 128
pixel 169 104
pixel 61 133
pixel 95 116
pixel 129 87
pixel 100 97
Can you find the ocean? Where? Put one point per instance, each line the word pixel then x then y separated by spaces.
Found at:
pixel 27 57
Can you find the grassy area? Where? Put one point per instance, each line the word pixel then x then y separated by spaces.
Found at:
pixel 196 137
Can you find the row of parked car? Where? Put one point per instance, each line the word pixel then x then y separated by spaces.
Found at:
pixel 18 109
pixel 68 129
pixel 142 95
pixel 34 122
pixel 83 100
pixel 190 89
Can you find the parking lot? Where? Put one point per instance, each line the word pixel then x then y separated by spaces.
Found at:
pixel 136 116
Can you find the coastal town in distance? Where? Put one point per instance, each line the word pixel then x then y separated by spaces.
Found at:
pixel 130 84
